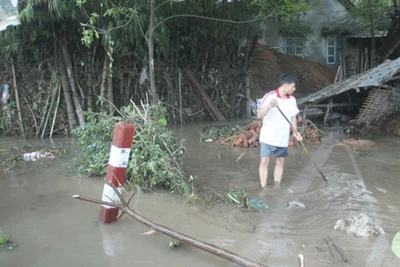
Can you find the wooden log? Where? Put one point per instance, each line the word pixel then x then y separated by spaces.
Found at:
pixel 220 252
pixel 211 108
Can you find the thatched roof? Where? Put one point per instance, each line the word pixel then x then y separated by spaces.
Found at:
pixel 374 77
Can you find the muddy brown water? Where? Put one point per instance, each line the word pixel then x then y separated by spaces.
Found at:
pixel 53 229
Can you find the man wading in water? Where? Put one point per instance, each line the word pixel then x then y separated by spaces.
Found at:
pixel 275 130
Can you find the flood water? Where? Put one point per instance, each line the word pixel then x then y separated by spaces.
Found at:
pixel 53 229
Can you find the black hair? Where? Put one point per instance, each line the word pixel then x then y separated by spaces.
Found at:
pixel 287 78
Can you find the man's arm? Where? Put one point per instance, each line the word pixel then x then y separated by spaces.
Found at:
pixel 296 134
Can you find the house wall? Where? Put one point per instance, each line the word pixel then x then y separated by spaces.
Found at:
pixel 329 13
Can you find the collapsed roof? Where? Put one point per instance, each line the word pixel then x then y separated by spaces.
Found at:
pixel 382 95
pixel 377 76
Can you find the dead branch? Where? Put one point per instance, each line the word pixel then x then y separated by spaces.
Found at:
pixel 123 206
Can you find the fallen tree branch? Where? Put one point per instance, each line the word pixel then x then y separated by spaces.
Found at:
pixel 123 206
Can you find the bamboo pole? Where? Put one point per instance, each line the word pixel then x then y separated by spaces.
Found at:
pixel 55 111
pixel 43 117
pixel 33 114
pixel 180 95
pixel 17 98
pixel 124 207
pixel 54 94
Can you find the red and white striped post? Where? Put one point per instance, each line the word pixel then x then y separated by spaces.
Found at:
pixel 116 170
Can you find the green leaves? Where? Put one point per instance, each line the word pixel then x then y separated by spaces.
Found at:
pixel 27 13
pixel 377 13
pixel 6 243
pixel 396 244
pixel 155 159
pixel 94 139
pixel 162 122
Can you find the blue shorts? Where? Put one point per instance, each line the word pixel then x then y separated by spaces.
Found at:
pixel 279 152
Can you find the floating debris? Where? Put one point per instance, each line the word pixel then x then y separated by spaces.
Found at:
pixel 258 204
pixel 291 204
pixel 360 225
pixel 174 243
pixel 7 243
pixel 33 156
pixel 149 232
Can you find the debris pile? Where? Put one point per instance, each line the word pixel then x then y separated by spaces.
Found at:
pixel 248 135
pixel 33 156
pixel 360 225
pixel 356 143
pixel 311 134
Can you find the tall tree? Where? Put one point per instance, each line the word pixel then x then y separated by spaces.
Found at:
pixel 392 40
pixel 379 16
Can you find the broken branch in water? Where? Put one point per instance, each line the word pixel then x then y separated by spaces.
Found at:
pixel 123 206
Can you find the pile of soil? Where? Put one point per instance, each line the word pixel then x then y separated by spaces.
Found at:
pixel 268 64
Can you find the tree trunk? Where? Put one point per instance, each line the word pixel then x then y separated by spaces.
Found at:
pixel 67 92
pixel 392 40
pixel 104 80
pixel 71 80
pixel 372 29
pixel 153 87
pixel 110 91
pixel 89 79
pixel 248 55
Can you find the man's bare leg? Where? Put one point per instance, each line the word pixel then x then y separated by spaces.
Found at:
pixel 278 171
pixel 263 171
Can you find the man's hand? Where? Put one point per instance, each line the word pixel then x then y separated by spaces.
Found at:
pixel 298 136
pixel 273 103
pixel 262 112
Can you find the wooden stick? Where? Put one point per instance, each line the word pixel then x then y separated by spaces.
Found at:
pixel 305 149
pixel 43 117
pixel 180 95
pixel 17 98
pixel 173 234
pixel 241 155
pixel 53 94
pixel 55 111
pixel 33 114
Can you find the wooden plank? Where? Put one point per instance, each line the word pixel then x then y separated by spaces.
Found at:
pixel 211 108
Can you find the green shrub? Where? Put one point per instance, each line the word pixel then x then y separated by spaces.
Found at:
pixel 156 155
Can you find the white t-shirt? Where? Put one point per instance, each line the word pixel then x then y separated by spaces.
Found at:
pixel 275 129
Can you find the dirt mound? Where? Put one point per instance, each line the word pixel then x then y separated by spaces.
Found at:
pixel 269 64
